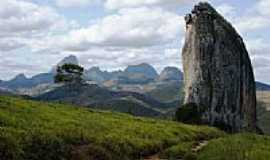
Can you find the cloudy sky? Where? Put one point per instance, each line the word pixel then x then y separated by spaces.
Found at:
pixel 36 34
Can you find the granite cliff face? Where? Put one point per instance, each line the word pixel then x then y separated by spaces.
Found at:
pixel 218 71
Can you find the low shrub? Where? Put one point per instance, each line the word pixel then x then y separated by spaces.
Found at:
pixel 189 113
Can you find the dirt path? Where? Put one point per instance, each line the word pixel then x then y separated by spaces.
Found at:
pixel 198 146
pixel 152 157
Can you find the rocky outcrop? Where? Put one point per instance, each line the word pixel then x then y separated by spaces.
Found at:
pixel 95 74
pixel 170 74
pixel 67 60
pixel 218 71
pixel 144 68
pixel 138 74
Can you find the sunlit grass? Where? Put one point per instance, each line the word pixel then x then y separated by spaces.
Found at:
pixel 45 131
pixel 237 147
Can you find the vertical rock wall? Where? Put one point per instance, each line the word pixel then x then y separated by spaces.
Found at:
pixel 218 72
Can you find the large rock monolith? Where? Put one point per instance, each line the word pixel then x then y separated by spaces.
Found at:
pixel 218 74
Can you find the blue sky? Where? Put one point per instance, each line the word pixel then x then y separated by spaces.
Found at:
pixel 111 34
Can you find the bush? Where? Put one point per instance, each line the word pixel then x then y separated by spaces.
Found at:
pixel 190 156
pixel 45 147
pixel 189 113
pixel 9 148
pixel 90 152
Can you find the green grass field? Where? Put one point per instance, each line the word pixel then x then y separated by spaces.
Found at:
pixel 237 147
pixel 46 131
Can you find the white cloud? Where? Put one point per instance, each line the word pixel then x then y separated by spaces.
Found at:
pixel 76 3
pixel 135 28
pixel 254 21
pixel 261 68
pixel 254 45
pixel 8 44
pixel 117 4
pixel 14 63
pixel 255 18
pixel 227 10
pixel 247 21
pixel 259 50
pixel 22 21
pixel 263 7
pixel 251 23
pixel 172 52
pixel 18 17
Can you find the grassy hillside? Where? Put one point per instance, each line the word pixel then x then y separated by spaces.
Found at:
pixel 237 147
pixel 263 116
pixel 167 92
pixel 93 96
pixel 263 110
pixel 264 97
pixel 46 131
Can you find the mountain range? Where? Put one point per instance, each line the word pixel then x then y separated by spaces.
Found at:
pixel 94 96
pixel 135 74
pixel 138 89
pixel 141 74
pixel 133 90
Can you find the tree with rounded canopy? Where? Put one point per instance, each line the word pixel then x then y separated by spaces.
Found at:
pixel 69 73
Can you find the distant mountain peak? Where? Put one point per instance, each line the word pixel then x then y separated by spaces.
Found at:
pixel 143 68
pixel 71 59
pixel 170 73
pixel 146 65
pixel 20 76
pixel 171 68
pixel 96 74
pixel 95 68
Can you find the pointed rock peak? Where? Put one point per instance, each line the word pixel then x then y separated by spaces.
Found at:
pixel 218 71
pixel 95 69
pixel 205 11
pixel 70 59
pixel 67 60
pixel 139 66
pixel 20 77
pixel 203 6
pixel 168 69
pixel 170 73
pixel 145 64
pixel 143 68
